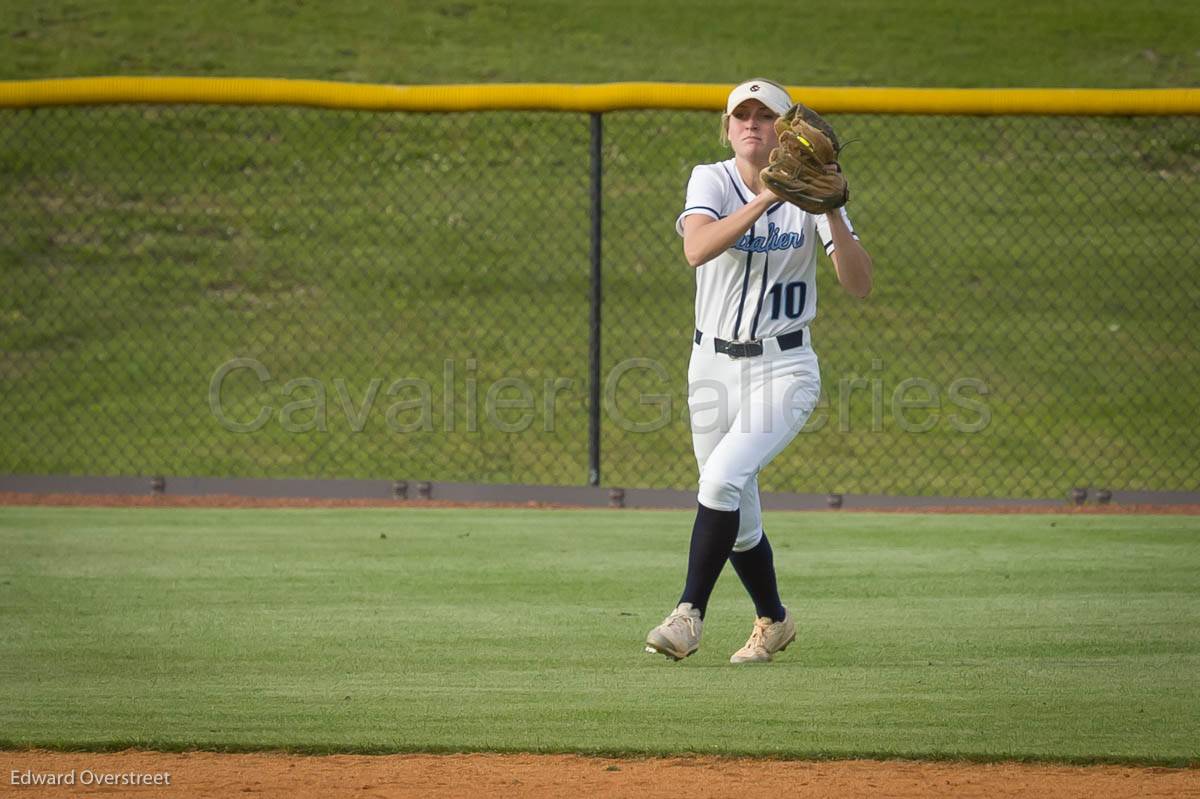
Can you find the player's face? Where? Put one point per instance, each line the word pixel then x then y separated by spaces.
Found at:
pixel 752 131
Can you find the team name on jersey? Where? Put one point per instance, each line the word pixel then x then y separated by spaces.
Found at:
pixel 774 240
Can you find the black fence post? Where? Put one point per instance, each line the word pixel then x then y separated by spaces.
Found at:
pixel 594 334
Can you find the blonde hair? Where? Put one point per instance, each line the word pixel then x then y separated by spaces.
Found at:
pixel 723 133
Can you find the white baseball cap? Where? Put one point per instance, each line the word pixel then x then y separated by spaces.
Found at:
pixel 766 93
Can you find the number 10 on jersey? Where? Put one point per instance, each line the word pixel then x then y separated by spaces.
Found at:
pixel 790 299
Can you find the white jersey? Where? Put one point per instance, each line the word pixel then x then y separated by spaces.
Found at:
pixel 765 284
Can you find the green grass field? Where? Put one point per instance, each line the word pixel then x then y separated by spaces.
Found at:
pixel 146 247
pixel 1071 638
pixel 1102 43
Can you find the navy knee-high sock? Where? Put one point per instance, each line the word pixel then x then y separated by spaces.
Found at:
pixel 713 535
pixel 756 567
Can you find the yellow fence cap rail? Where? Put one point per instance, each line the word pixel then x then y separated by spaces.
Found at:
pixel 582 97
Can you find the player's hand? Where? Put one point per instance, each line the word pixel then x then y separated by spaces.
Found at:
pixel 769 196
pixel 836 168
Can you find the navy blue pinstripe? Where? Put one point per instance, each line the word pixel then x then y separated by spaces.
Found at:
pixel 762 292
pixel 737 325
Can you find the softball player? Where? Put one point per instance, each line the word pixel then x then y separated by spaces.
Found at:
pixel 753 379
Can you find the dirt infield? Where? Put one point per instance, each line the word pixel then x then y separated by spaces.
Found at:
pixel 230 501
pixel 205 774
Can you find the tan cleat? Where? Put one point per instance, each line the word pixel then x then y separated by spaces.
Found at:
pixel 767 639
pixel 679 634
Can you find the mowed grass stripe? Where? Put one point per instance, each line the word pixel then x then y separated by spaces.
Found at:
pixel 1032 637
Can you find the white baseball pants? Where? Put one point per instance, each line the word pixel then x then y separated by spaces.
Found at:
pixel 744 411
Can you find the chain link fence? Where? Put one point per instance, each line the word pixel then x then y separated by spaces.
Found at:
pixel 283 292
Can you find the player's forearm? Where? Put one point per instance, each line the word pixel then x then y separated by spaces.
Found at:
pixel 851 261
pixel 703 243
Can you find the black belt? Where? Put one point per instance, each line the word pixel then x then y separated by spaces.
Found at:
pixel 750 349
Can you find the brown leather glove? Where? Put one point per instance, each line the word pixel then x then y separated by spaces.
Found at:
pixel 799 170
